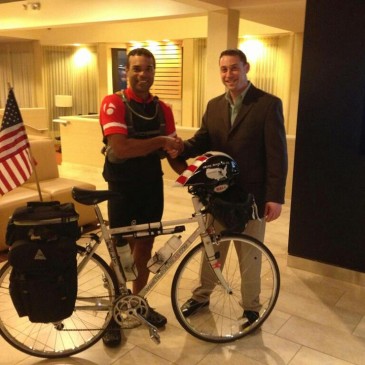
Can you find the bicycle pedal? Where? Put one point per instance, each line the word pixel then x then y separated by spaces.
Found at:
pixel 154 336
pixel 152 329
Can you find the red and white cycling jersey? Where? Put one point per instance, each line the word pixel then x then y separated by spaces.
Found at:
pixel 112 114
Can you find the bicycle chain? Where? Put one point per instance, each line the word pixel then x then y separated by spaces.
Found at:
pixel 86 329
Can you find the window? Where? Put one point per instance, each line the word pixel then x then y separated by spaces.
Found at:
pixel 119 58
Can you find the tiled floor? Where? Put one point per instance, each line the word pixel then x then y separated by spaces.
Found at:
pixel 317 320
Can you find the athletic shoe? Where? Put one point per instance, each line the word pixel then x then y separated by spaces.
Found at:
pixel 112 337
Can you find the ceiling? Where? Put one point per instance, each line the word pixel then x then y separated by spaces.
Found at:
pixel 19 18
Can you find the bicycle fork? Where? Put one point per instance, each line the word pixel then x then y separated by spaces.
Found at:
pixel 206 236
pixel 215 263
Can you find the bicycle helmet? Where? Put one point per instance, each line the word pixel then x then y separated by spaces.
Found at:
pixel 213 172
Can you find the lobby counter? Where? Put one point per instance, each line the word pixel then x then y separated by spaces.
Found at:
pixel 81 140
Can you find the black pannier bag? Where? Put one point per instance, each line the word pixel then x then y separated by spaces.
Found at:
pixel 43 282
pixel 233 208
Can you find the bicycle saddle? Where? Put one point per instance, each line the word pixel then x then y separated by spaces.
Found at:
pixel 91 197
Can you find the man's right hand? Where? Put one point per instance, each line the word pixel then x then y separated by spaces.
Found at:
pixel 174 148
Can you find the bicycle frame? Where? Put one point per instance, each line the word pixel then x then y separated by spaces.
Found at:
pixel 156 229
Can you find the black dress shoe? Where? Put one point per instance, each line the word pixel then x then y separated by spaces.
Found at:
pixel 251 316
pixel 156 319
pixel 192 306
pixel 112 336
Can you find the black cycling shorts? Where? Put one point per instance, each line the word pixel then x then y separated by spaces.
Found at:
pixel 139 203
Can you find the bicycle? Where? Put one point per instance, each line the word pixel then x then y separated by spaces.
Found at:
pixel 103 293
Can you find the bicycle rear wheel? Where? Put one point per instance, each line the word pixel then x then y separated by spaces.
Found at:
pixel 223 320
pixel 97 289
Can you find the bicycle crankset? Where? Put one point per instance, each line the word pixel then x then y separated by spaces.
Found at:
pixel 129 305
pixel 137 307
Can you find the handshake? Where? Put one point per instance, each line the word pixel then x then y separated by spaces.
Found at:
pixel 174 146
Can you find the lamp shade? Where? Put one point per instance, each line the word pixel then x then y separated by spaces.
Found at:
pixel 63 101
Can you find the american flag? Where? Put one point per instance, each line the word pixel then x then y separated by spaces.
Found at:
pixel 15 159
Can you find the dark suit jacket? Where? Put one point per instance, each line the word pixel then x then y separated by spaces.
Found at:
pixel 257 141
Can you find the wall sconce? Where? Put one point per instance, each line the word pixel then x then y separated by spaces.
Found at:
pixel 32 6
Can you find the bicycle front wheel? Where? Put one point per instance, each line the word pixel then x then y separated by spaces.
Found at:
pixel 97 288
pixel 253 277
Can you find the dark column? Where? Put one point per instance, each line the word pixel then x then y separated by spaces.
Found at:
pixel 327 221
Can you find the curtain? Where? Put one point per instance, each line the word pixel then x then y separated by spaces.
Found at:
pixel 270 59
pixel 200 48
pixel 17 68
pixel 70 71
pixel 262 54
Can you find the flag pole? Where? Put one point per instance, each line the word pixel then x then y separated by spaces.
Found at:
pixel 35 174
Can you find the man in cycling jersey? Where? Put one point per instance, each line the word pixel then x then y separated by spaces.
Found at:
pixel 137 129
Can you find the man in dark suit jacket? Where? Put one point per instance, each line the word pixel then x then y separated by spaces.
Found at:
pixel 248 124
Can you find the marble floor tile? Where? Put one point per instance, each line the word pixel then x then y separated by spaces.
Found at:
pixel 353 299
pixel 176 345
pixel 140 356
pixel 360 328
pixel 311 287
pixel 225 355
pixel 325 339
pixel 316 311
pixel 307 356
pixel 266 348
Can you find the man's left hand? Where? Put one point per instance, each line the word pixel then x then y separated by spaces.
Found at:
pixel 272 211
